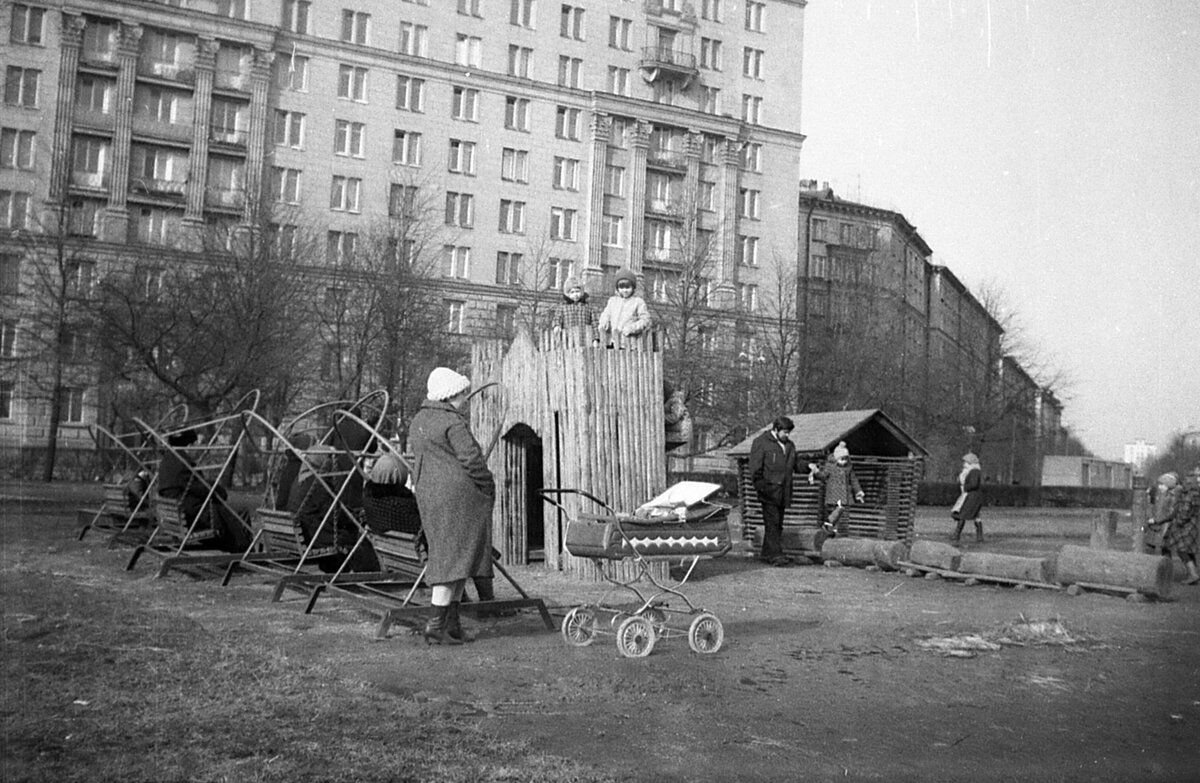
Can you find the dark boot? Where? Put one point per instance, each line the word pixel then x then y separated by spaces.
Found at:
pixel 958 530
pixel 454 628
pixel 978 531
pixel 437 630
pixel 485 588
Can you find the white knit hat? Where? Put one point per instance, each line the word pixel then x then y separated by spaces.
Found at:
pixel 840 451
pixel 444 383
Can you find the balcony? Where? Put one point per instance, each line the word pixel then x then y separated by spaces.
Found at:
pixel 94 119
pixel 231 80
pixel 225 198
pixel 666 158
pixel 171 188
pixel 153 128
pixel 167 72
pixel 664 62
pixel 105 59
pixel 663 207
pixel 93 180
pixel 232 138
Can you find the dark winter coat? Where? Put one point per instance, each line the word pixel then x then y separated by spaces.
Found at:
pixel 840 483
pixel 772 468
pixel 972 495
pixel 455 493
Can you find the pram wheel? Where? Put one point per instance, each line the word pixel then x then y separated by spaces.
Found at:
pixel 656 616
pixel 579 627
pixel 635 637
pixel 706 634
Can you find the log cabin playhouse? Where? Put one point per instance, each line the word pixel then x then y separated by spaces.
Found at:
pixel 886 460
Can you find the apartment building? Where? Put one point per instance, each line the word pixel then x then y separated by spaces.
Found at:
pixel 542 139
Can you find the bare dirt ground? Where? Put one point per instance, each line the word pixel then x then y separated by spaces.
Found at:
pixel 822 675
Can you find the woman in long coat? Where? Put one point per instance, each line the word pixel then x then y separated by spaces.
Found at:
pixel 455 494
pixel 970 499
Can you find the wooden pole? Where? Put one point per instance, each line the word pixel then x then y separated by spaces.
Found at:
pixel 1148 574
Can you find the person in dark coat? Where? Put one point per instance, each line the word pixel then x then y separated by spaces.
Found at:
pixel 1182 537
pixel 455 493
pixel 574 312
pixel 178 479
pixel 772 467
pixel 970 498
pixel 840 488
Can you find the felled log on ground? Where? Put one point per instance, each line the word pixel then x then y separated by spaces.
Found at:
pixel 1025 569
pixel 864 552
pixel 935 555
pixel 806 540
pixel 1148 574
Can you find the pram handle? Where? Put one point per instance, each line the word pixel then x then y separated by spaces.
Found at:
pixel 546 492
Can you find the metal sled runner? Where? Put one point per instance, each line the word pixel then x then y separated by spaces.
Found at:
pixel 681 524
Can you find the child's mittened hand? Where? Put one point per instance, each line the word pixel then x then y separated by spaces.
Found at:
pixel 860 496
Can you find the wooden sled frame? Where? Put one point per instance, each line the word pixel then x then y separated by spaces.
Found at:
pixel 173 534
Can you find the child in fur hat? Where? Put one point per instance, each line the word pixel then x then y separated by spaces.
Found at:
pixel 625 315
pixel 574 311
pixel 840 490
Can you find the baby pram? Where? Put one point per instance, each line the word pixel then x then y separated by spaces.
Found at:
pixel 681 524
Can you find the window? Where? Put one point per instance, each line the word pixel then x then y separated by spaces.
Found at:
pixel 344 193
pixel 460 209
pixel 710 149
pixel 664 92
pixel 286 185
pixel 93 93
pixel 618 80
pixel 467 49
pixel 748 251
pixel 754 15
pixel 16 148
pixel 521 13
pixel 352 83
pixel 562 223
pixel 461 159
pixel 752 156
pixel 658 239
pixel 618 132
pixel 558 270
pixel 465 104
pixel 512 217
pixel 150 226
pixel 234 9
pixel 747 297
pixel 506 317
pixel 706 195
pixel 228 122
pixel 470 8
pixel 161 51
pixel 83 218
pixel 73 407
pixel 295 15
pixel 26 24
pixel 710 99
pixel 820 229
pixel 156 104
pixel 14 209
pixel 91 155
pixel 406 148
pixel 508 268
pixel 283 238
pixel 10 273
pixel 410 93
pixel 571 22
pixel 348 138
pixel 710 54
pixel 456 314
pixel 21 86
pixel 710 10
pixel 340 247
pixel 566 123
pixel 8 339
pixel 458 261
pixel 566 173
pixel 6 400
pixel 516 113
pixel 614 181
pixel 518 60
pixel 289 129
pixel 748 203
pixel 414 39
pixel 619 32
pixel 569 69
pixel 751 109
pixel 752 63
pixel 611 230
pixel 514 165
pixel 819 267
pixel 402 200
pixel 354 26
pixel 291 72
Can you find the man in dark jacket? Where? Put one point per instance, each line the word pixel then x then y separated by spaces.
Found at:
pixel 772 466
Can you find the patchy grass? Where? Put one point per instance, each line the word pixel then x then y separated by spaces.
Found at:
pixel 100 687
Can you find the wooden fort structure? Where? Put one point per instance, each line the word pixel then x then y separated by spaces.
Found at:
pixel 567 414
pixel 887 461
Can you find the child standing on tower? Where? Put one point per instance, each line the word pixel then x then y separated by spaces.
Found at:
pixel 625 315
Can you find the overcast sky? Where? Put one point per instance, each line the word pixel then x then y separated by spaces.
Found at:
pixel 1050 148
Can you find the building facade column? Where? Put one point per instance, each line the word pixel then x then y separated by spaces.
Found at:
pixel 593 251
pixel 64 117
pixel 639 149
pixel 260 81
pixel 727 224
pixel 693 146
pixel 117 215
pixel 206 63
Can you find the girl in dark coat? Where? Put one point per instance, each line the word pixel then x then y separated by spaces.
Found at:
pixel 970 499
pixel 455 493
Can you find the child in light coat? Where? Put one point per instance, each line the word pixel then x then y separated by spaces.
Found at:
pixel 626 314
